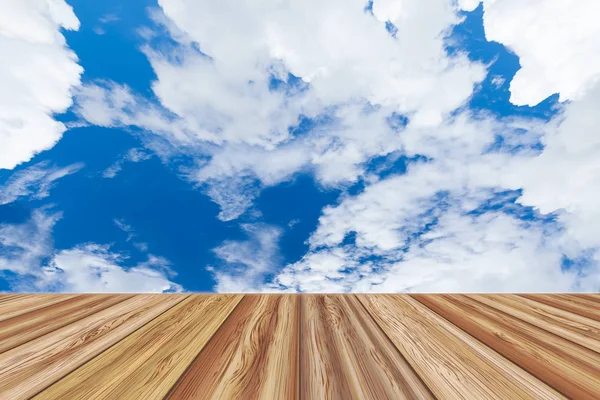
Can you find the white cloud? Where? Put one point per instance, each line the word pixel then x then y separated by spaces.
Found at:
pixel 35 181
pixel 24 246
pixel 217 108
pixel 460 251
pixel 558 44
pixel 565 177
pixel 411 73
pixel 557 41
pixel 133 156
pixel 37 75
pixel 245 264
pixel 108 18
pixel 218 105
pixel 94 269
pixel 493 252
pixel 27 250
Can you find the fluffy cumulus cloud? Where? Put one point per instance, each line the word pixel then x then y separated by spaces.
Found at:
pixel 565 177
pixel 257 93
pixel 239 87
pixel 450 223
pixel 436 228
pixel 38 74
pixel 27 252
pixel 557 41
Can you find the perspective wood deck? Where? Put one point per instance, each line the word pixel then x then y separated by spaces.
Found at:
pixel 299 346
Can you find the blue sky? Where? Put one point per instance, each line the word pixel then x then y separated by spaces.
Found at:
pixel 176 146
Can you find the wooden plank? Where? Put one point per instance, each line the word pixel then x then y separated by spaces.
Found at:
pixel 345 355
pixel 33 366
pixel 13 305
pixel 254 355
pixel 580 330
pixel 25 327
pixel 588 296
pixel 585 308
pixel 147 363
pixel 570 369
pixel 451 363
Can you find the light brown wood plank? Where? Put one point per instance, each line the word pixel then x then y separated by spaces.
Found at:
pixel 253 355
pixel 345 355
pixel 147 363
pixel 25 327
pixel 451 363
pixel 580 330
pixel 33 366
pixel 13 305
pixel 570 369
pixel 585 308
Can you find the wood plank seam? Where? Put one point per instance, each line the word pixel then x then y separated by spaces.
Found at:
pixel 30 308
pixel 534 327
pixel 100 304
pixel 496 305
pixel 466 368
pixel 131 368
pixel 510 341
pixel 178 381
pixel 447 344
pixel 398 353
pixel 557 303
pixel 113 345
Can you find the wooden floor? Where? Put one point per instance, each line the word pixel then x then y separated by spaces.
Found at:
pixel 299 346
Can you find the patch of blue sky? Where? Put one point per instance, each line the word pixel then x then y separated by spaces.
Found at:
pixel 493 94
pixel 114 54
pixel 291 85
pixel 296 207
pixel 166 213
pixel 579 264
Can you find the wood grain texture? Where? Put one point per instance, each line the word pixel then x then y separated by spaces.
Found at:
pixel 580 330
pixel 344 354
pixel 569 368
pixel 25 327
pixel 585 307
pixel 589 296
pixel 299 346
pixel 452 364
pixel 253 355
pixel 148 362
pixel 33 366
pixel 13 305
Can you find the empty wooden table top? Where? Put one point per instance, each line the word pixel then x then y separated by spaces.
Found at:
pixel 201 346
